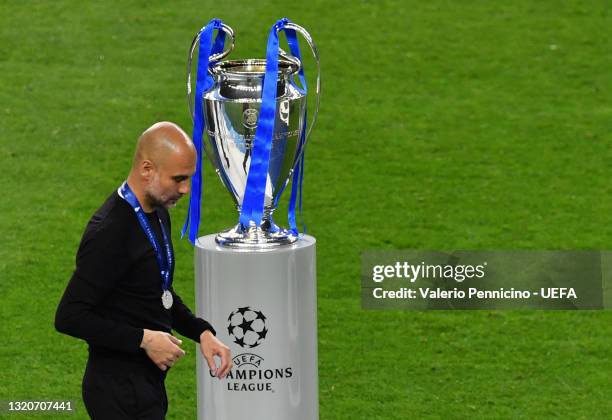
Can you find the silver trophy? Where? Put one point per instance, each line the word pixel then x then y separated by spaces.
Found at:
pixel 231 110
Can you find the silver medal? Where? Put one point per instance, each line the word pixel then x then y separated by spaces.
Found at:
pixel 167 299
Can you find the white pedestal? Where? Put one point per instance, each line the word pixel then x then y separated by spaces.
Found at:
pixel 263 305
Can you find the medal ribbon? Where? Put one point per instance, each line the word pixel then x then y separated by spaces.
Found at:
pixel 166 265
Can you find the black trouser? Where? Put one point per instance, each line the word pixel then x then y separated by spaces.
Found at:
pixel 125 395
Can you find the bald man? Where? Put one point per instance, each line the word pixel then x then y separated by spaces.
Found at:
pixel 120 298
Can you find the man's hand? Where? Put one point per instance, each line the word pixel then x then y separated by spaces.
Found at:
pixel 210 346
pixel 162 348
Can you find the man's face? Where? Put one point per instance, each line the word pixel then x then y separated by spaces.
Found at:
pixel 171 179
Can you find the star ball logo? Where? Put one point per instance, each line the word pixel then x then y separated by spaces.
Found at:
pixel 247 327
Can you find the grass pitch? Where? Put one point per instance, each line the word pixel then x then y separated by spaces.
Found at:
pixel 443 125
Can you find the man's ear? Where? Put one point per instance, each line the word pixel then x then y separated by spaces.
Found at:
pixel 147 169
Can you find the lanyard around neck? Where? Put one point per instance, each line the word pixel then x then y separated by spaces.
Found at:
pixel 165 264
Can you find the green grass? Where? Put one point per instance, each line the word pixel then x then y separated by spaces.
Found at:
pixel 443 125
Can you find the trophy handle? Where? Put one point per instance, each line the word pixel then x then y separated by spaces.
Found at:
pixel 215 57
pixel 315 53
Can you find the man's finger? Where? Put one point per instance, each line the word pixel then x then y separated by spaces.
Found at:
pixel 174 339
pixel 211 364
pixel 226 363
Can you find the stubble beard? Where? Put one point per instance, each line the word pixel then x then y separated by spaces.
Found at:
pixel 153 201
pixel 156 201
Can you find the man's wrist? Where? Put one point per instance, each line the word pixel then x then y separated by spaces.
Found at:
pixel 204 334
pixel 146 338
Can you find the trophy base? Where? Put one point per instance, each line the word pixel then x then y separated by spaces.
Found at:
pixel 255 237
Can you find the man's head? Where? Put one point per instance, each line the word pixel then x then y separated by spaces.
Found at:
pixel 164 162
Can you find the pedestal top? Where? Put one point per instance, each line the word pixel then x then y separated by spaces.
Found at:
pixel 208 243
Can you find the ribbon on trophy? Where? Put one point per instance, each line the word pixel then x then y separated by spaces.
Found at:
pixel 254 196
pixel 204 82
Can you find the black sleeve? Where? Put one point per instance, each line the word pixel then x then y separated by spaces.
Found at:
pixel 101 261
pixel 185 322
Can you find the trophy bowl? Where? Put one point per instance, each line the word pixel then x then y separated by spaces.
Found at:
pixel 231 109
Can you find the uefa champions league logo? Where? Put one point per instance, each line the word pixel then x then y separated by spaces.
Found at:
pixel 247 327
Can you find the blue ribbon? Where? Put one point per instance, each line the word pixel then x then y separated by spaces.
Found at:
pixel 298 173
pixel 296 187
pixel 254 196
pixel 166 265
pixel 203 83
